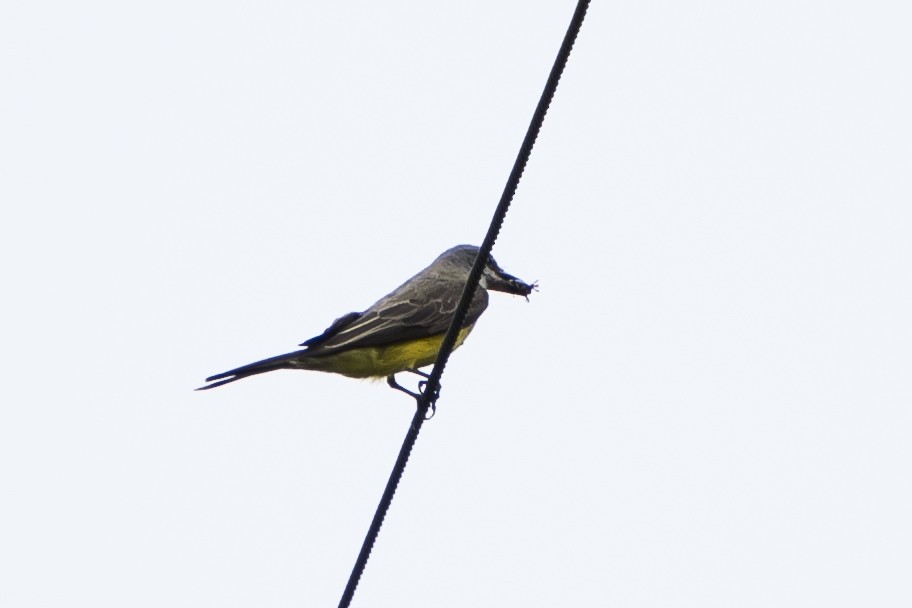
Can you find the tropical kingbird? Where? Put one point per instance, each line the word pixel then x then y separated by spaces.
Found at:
pixel 401 332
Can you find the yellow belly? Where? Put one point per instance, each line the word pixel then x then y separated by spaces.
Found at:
pixel 382 361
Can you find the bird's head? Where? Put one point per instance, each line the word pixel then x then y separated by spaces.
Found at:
pixel 493 276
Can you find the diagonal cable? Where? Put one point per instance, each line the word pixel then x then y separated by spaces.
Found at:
pixel 428 398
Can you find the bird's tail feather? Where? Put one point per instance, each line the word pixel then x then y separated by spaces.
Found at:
pixel 252 369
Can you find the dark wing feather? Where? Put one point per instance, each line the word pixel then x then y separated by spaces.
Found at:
pixel 402 316
pixel 333 329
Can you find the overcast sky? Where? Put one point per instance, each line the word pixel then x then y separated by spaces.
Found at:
pixel 708 402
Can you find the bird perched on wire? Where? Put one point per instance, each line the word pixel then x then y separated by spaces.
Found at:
pixel 401 332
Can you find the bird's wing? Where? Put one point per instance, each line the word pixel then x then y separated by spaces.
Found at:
pixel 404 315
pixel 333 329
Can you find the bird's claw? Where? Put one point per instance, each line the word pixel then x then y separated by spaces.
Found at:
pixel 431 399
pixel 421 395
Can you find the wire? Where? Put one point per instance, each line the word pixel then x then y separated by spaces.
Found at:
pixel 428 398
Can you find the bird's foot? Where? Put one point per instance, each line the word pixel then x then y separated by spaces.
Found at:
pixel 420 395
pixel 391 380
pixel 431 399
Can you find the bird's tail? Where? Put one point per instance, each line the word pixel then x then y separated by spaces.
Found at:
pixel 252 369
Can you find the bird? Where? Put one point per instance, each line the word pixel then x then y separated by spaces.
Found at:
pixel 400 332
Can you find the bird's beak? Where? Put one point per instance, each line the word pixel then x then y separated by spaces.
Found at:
pixel 498 280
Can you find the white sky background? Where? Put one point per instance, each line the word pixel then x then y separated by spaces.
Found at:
pixel 707 404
